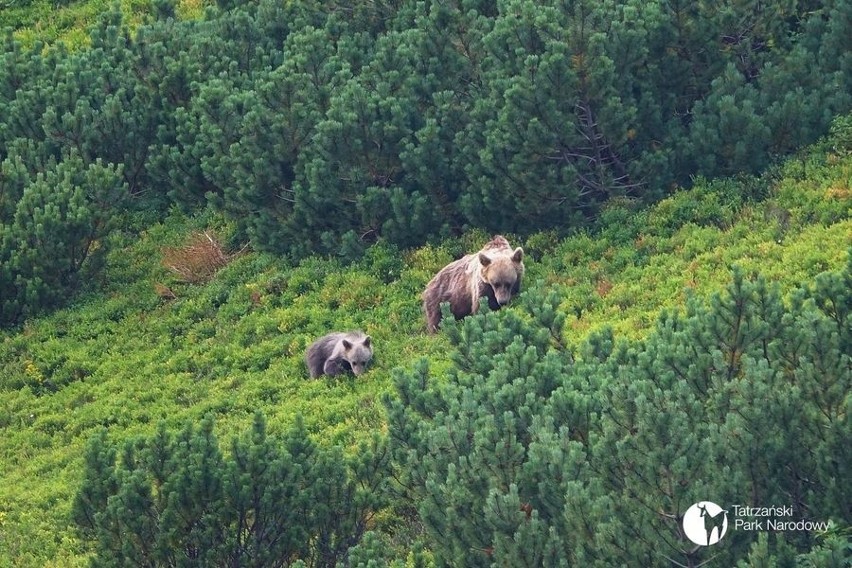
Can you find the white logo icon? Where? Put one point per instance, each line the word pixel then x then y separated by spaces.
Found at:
pixel 705 523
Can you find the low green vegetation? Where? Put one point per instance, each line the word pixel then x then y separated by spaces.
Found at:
pixel 142 347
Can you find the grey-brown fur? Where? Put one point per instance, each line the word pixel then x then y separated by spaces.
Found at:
pixel 495 272
pixel 338 353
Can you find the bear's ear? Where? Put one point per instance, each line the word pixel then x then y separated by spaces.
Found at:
pixel 347 344
pixel 519 255
pixel 366 342
pixel 484 260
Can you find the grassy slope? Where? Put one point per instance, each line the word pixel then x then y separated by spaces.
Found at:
pixel 127 358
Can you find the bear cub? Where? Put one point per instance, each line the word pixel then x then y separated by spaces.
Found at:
pixel 494 272
pixel 339 352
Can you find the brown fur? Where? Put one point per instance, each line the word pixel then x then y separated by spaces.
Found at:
pixel 494 272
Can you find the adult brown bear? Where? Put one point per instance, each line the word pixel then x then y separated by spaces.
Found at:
pixel 494 272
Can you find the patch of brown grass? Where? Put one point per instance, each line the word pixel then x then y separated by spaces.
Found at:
pixel 198 260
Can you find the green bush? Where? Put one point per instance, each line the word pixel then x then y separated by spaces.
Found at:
pixel 179 500
pixel 57 225
pixel 527 454
pixel 701 206
pixel 322 128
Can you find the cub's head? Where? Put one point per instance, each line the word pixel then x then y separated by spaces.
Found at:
pixel 358 353
pixel 503 273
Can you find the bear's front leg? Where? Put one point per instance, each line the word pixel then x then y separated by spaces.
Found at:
pixel 433 316
pixel 334 367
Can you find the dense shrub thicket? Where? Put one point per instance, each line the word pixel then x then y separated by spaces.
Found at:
pixel 531 453
pixel 324 126
pixel 179 501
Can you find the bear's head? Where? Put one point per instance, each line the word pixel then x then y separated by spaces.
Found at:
pixel 503 273
pixel 358 353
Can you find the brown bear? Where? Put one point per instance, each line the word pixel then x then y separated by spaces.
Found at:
pixel 494 272
pixel 339 352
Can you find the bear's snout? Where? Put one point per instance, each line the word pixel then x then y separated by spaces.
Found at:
pixel 502 298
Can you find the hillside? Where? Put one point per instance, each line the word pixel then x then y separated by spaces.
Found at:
pixel 191 192
pixel 150 348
